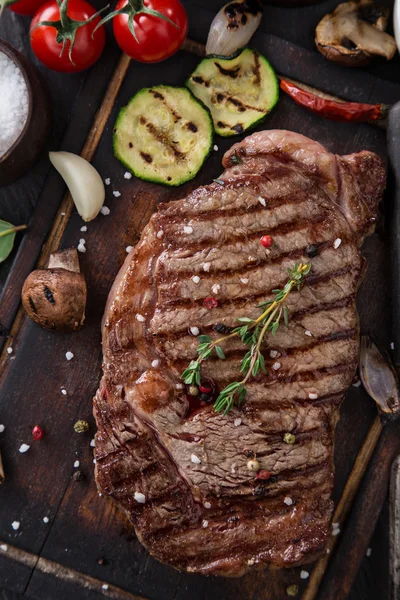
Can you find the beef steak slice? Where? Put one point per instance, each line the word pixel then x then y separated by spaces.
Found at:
pixel 180 475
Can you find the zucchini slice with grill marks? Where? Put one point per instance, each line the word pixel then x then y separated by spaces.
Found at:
pixel 164 134
pixel 239 91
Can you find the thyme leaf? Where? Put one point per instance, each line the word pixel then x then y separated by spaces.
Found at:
pixel 251 332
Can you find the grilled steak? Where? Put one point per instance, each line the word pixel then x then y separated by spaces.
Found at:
pixel 175 467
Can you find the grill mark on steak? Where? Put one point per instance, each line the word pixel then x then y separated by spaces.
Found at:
pixel 140 411
pixel 255 298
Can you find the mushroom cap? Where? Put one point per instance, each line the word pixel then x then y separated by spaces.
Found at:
pixel 55 298
pixel 354 33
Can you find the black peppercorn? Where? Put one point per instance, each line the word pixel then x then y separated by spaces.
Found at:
pixel 312 251
pixel 221 328
pixel 259 490
pixel 205 398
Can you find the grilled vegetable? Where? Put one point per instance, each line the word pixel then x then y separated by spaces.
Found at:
pixel 239 91
pixel 163 135
pixel 233 27
pixel 336 110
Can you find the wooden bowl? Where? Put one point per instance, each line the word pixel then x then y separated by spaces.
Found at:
pixel 30 142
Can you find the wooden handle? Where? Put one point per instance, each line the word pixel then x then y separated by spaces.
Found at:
pixel 394 540
pixel 344 506
pixel 393 136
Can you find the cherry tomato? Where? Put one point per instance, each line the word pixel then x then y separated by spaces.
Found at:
pixel 25 7
pixel 85 50
pixel 157 38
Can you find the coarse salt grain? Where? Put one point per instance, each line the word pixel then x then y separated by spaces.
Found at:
pixel 94 461
pixel 187 229
pixel 76 464
pixel 216 148
pixel 105 210
pixel 69 355
pixel 63 391
pixel 237 422
pixel 128 249
pixel 308 333
pixel 45 519
pixel 4 547
pixel 244 280
pixel 273 353
pixel 194 330
pixel 2 428
pixel 195 459
pixel 287 500
pixel 160 233
pixel 337 243
pixel 92 443
pixel 336 532
pixel 335 525
pixel 82 241
pixel 140 318
pixel 9 350
pixel 304 574
pixel 276 366
pixel 205 524
pixel 357 383
pixel 81 248
pixel 392 345
pixel 104 586
pixel 262 201
pixel 24 448
pixel 127 175
pixel 116 193
pixel 107 181
pixel 215 288
pixel 13 102
pixel 313 396
pixel 207 504
pixel 139 497
pixel 369 552
pixel 179 386
pixel 206 266
pixel 155 363
pixel 251 562
pixel 196 279
pixel 84 228
pixel 15 525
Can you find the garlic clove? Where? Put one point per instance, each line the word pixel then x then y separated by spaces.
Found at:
pixel 233 26
pixel 83 181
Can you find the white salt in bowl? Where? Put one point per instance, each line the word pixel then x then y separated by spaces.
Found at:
pixel 29 143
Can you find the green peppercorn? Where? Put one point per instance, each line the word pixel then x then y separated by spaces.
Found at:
pixel 81 426
pixel 289 438
pixel 292 590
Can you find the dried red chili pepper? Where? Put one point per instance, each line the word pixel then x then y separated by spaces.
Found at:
pixel 336 110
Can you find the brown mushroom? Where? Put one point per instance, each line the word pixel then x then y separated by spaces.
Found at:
pixel 354 33
pixel 55 297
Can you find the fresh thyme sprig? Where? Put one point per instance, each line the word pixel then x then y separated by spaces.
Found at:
pixel 251 332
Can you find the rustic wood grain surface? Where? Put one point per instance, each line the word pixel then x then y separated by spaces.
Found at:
pixel 84 528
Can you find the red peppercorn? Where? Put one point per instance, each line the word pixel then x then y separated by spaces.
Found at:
pixel 263 474
pixel 266 241
pixel 37 432
pixel 210 302
pixel 205 389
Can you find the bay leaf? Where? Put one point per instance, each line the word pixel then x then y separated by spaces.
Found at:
pixel 7 237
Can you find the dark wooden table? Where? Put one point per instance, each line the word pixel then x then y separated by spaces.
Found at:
pixel 82 94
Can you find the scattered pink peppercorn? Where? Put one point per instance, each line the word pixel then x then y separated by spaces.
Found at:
pixel 210 302
pixel 263 474
pixel 266 241
pixel 37 432
pixel 205 389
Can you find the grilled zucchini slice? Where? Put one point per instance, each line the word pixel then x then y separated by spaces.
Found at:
pixel 164 135
pixel 239 91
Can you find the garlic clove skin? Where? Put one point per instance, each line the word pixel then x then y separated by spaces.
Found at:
pixel 83 181
pixel 233 26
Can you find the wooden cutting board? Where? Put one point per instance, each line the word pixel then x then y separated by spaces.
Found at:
pixel 61 559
